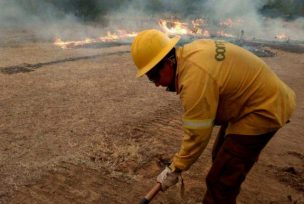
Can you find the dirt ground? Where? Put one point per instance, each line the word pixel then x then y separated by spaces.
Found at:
pixel 76 126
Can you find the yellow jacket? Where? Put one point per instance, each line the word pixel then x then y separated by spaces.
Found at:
pixel 220 82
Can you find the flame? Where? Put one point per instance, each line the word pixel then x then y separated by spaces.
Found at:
pixel 198 25
pixel 204 33
pixel 120 35
pixel 68 44
pixel 110 37
pixel 179 28
pixel 224 34
pixel 281 36
pixel 196 28
pixel 198 22
pixel 174 27
pixel 228 22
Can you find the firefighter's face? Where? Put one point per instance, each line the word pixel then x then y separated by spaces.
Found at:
pixel 162 76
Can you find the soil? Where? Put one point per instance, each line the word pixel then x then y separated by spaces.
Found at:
pixel 76 126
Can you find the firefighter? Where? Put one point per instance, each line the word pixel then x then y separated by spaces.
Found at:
pixel 221 84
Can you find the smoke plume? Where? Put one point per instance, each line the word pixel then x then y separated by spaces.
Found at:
pixel 78 19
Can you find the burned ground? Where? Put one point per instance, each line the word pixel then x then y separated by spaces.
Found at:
pixel 78 127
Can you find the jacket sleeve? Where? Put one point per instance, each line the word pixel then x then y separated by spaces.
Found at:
pixel 199 96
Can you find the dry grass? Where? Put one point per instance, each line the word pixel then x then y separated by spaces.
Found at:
pixel 75 130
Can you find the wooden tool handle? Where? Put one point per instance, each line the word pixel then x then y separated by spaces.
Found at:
pixel 150 195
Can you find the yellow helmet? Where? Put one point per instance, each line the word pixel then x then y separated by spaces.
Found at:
pixel 149 48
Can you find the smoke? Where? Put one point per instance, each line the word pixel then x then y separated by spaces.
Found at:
pixel 40 18
pixel 260 19
pixel 78 19
pixel 48 19
pixel 10 14
pixel 253 20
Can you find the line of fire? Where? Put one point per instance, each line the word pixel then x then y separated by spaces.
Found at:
pixel 228 29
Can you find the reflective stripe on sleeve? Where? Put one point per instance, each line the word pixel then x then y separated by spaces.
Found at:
pixel 197 124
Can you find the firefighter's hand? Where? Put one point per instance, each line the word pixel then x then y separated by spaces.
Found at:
pixel 168 178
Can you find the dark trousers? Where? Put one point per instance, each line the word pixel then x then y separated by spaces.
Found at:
pixel 233 156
